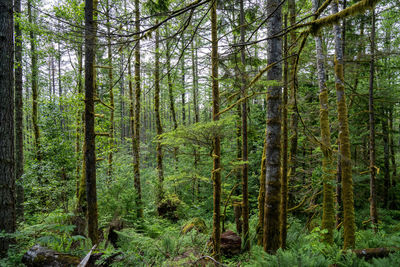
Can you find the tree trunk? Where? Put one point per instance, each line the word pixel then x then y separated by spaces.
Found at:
pixel 373 211
pixel 7 164
pixel 79 120
pixel 386 169
pixel 271 240
pixel 90 147
pixel 136 139
pixel 245 167
pixel 261 198
pixel 328 207
pixel 216 172
pixel 110 89
pixel 196 182
pixel 284 178
pixel 183 95
pixel 293 94
pixel 160 190
pixel 35 70
pixel 19 112
pixel 393 200
pixel 344 139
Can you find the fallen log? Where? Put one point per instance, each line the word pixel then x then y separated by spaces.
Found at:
pixel 39 256
pixel 369 253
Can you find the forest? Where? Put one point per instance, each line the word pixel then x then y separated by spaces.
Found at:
pixel 199 133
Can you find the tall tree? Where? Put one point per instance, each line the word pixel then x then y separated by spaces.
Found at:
pixel 216 172
pixel 328 208
pixel 372 168
pixel 245 167
pixel 34 79
pixel 293 92
pixel 271 235
pixel 284 178
pixel 160 190
pixel 111 93
pixel 136 129
pixel 344 139
pixel 7 164
pixel 90 146
pixel 19 137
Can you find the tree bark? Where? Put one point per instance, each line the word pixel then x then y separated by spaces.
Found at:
pixel 271 240
pixel 386 159
pixel 136 139
pixel 261 197
pixel 35 70
pixel 216 172
pixel 90 147
pixel 183 95
pixel 110 90
pixel 7 163
pixel 344 139
pixel 293 94
pixel 245 167
pixel 160 190
pixel 19 112
pixel 328 207
pixel 373 211
pixel 284 178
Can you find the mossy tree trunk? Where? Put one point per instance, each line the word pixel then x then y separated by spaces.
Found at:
pixel 328 206
pixel 261 198
pixel 216 172
pixel 344 140
pixel 7 164
pixel 284 177
pixel 373 211
pixel 90 146
pixel 136 139
pixel 271 229
pixel 245 167
pixel 293 138
pixel 160 190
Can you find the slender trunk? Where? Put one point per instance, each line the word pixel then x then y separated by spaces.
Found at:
pixel 90 147
pixel 196 114
pixel 160 190
pixel 123 133
pixel 35 70
pixel 293 94
pixel 271 240
pixel 373 211
pixel 284 178
pixel 245 167
pixel 328 206
pixel 19 112
pixel 386 169
pixel 60 91
pixel 78 122
pixel 183 95
pixel 110 90
pixel 216 172
pixel 131 101
pixel 261 197
pixel 7 163
pixel 393 202
pixel 136 139
pixel 344 139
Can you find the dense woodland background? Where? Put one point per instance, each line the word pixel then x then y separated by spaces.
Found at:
pixel 151 127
